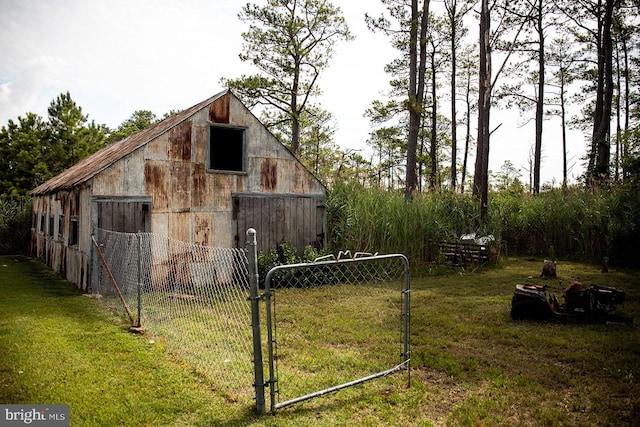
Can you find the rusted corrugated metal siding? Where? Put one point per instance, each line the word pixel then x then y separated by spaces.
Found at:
pixel 156 184
pixel 180 142
pixel 168 165
pixel 99 161
pixel 219 110
pixel 269 175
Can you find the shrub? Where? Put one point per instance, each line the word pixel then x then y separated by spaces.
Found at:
pixel 15 226
pixel 284 254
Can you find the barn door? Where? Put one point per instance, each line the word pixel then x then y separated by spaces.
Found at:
pixel 277 219
pixel 124 215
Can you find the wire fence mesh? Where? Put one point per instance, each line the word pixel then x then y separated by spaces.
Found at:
pixel 335 322
pixel 192 297
pixel 329 324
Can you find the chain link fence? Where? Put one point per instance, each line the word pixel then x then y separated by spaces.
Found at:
pixel 329 324
pixel 192 297
pixel 336 323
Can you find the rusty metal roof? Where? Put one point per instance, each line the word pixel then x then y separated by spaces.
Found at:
pixel 102 159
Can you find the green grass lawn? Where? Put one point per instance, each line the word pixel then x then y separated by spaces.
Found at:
pixel 471 364
pixel 60 347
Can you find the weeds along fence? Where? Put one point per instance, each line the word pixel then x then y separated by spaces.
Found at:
pixel 192 297
pixel 312 328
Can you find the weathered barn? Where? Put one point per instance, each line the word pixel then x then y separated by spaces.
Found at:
pixel 203 176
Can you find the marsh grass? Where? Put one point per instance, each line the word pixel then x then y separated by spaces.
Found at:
pixel 375 220
pixel 471 364
pixel 568 224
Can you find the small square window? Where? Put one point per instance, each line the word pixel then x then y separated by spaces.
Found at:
pixel 226 149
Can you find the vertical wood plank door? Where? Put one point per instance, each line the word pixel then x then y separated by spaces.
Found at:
pixel 124 216
pixel 297 220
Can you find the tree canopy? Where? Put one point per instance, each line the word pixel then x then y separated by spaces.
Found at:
pixel 571 61
pixel 139 120
pixel 290 42
pixel 36 150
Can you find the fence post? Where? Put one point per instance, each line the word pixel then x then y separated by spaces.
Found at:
pixel 139 238
pixel 406 291
pixel 252 258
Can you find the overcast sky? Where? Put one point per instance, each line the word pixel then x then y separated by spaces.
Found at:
pixel 119 56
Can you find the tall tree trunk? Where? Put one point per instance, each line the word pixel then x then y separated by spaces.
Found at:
pixel 433 149
pixel 421 163
pixel 414 109
pixel 467 142
pixel 416 90
pixel 422 66
pixel 295 115
pixel 626 103
pixel 481 176
pixel 467 139
pixel 454 123
pixel 602 128
pixel 539 101
pixel 597 113
pixel 563 118
pixel 616 161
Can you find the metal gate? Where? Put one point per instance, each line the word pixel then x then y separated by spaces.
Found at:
pixel 330 324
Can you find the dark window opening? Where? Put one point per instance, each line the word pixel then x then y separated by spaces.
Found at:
pixel 42 219
pixel 50 230
pixel 73 231
pixel 60 227
pixel 226 149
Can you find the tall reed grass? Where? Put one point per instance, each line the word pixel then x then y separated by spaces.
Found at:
pixel 568 223
pixel 573 224
pixel 377 220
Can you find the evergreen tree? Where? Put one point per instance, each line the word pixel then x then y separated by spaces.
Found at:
pixel 36 150
pixel 290 42
pixel 409 35
pixel 139 120
pixel 70 139
pixel 456 10
pixel 25 150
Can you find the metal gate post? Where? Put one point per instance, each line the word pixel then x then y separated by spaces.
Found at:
pixel 252 258
pixel 139 279
pixel 406 314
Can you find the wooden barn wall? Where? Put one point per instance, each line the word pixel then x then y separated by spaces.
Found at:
pixel 53 245
pixel 123 214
